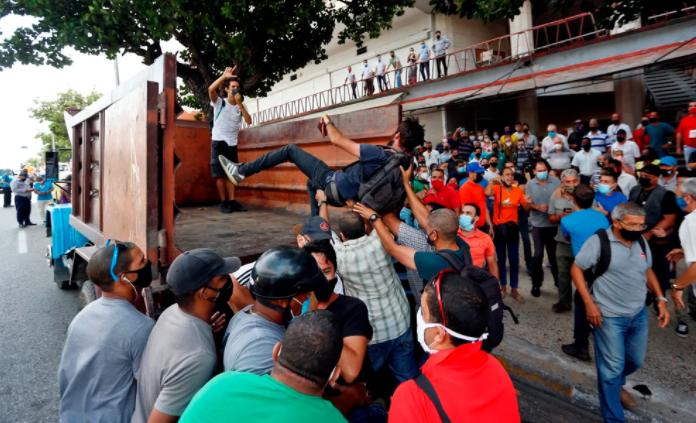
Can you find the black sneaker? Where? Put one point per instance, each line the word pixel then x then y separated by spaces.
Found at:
pixel 693 315
pixel 31 224
pixel 236 207
pixel 573 351
pixel 225 207
pixel 22 225
pixel 536 291
pixel 231 169
pixel 682 329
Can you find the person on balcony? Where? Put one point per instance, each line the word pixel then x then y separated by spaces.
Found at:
pixel 368 79
pixel 228 112
pixel 412 71
pixel 395 63
pixel 380 69
pixel 424 56
pixel 341 186
pixel 350 77
pixel 440 47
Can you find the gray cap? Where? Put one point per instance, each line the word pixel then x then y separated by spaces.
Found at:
pixel 315 227
pixel 193 269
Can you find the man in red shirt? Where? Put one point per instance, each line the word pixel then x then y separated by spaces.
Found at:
pixel 472 192
pixel 642 139
pixel 686 133
pixel 471 385
pixel 441 193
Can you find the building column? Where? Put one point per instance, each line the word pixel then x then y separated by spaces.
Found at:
pixel 629 96
pixel 528 111
pixel 444 122
pixel 522 43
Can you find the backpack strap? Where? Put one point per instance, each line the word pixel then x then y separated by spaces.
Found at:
pixel 455 264
pixel 604 253
pixel 220 111
pixel 424 384
pixel 641 242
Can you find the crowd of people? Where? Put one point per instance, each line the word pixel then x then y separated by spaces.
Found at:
pixel 416 61
pixel 27 183
pixel 308 332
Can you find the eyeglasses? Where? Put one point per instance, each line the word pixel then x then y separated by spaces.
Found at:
pixel 634 226
pixel 225 287
pixel 435 282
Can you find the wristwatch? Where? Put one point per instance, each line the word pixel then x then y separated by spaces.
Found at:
pixel 321 203
pixel 329 123
pixel 676 288
pixel 662 299
pixel 375 217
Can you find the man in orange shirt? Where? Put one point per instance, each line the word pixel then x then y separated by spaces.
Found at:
pixel 472 192
pixel 441 193
pixel 470 384
pixel 480 245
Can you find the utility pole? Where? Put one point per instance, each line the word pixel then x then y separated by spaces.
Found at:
pixel 118 80
pixel 53 142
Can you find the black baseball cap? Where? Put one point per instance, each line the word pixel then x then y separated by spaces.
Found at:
pixel 651 169
pixel 193 269
pixel 315 227
pixel 621 131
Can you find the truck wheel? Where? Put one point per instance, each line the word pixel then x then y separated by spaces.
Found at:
pixel 88 293
pixel 59 278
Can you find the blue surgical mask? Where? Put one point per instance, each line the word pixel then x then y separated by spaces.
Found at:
pixel 461 169
pixel 681 202
pixel 496 137
pixel 552 134
pixel 604 189
pixel 466 222
pixel 415 224
pixel 542 175
pixel 405 214
pixel 365 64
pixel 379 59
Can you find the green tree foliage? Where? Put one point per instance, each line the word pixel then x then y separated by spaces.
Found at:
pixel 269 38
pixel 51 112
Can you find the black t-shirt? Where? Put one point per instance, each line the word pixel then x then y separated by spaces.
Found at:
pixel 520 179
pixel 669 201
pixel 575 138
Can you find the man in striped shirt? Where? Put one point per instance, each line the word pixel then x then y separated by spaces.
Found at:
pixel 600 140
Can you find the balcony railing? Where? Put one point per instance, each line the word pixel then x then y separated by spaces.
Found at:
pixel 509 48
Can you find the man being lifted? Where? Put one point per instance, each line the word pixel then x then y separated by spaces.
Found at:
pixel 343 184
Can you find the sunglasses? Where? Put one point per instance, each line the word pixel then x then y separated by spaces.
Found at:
pixel 435 283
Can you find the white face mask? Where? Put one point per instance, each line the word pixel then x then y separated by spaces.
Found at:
pixel 421 326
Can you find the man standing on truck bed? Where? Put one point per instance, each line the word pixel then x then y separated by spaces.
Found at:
pixel 343 183
pixel 227 119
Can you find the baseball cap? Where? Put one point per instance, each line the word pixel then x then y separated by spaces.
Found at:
pixel 195 268
pixel 651 169
pixel 475 167
pixel 621 131
pixel 668 161
pixel 316 227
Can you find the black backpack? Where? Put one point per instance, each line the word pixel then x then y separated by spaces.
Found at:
pixel 604 257
pixel 384 190
pixel 491 287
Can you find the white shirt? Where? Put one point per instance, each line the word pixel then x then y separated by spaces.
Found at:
pixel 366 72
pixel 612 129
pixel 586 161
pixel 687 236
pixel 380 67
pixel 431 158
pixel 630 151
pixel 226 122
pixel 488 175
pixel 626 182
pixel 351 76
pixel 547 144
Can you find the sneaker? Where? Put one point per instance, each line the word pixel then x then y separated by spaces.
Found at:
pixel 236 207
pixel 536 291
pixel 545 266
pixel 225 207
pixel 30 224
pixel 22 226
pixel 693 315
pixel 573 351
pixel 559 307
pixel 231 169
pixel 682 329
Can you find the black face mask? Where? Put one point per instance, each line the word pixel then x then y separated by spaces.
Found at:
pixel 144 276
pixel 600 164
pixel 645 182
pixel 644 158
pixel 653 120
pixel 536 154
pixel 493 164
pixel 525 130
pixel 479 177
pixel 667 172
pixel 620 138
pixel 495 150
pixel 446 149
pixel 485 166
pixel 586 147
pixel 223 294
pixel 615 121
pixel 430 148
pixel 644 122
pixel 630 235
pixel 594 128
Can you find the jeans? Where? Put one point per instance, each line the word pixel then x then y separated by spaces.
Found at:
pixel 581 327
pixel 660 264
pixel 316 170
pixel 661 152
pixel 382 82
pixel 369 86
pixel 544 237
pixel 371 413
pixel 687 152
pixel 397 76
pixel 441 61
pixel 565 259
pixel 7 194
pixel 513 252
pixel 620 345
pixel 425 66
pixel 23 206
pixel 354 86
pixel 523 221
pixel 398 354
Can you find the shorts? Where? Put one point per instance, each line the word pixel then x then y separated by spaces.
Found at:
pixel 221 148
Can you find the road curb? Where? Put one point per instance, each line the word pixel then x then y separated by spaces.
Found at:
pixel 558 376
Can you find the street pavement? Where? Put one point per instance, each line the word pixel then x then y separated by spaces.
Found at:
pixel 34 318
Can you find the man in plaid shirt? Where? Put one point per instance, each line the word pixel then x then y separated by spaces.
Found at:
pixel 368 274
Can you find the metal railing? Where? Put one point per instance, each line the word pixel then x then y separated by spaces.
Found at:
pixel 509 48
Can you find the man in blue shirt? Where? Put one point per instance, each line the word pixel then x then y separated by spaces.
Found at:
pixel 5 184
pixel 424 60
pixel 606 196
pixel 43 189
pixel 583 223
pixel 658 132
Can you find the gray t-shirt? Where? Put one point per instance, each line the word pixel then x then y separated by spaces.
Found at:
pixel 249 343
pixel 179 359
pixel 621 290
pixel 100 362
pixel 541 195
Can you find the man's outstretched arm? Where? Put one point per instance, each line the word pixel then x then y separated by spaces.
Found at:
pixel 417 207
pixel 402 253
pixel 338 139
pixel 212 90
